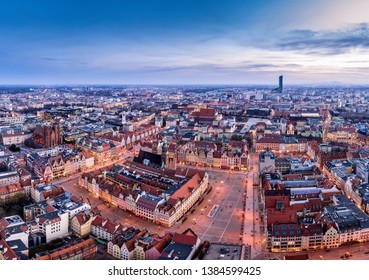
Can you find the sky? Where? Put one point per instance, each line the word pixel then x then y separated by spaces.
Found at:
pixel 184 42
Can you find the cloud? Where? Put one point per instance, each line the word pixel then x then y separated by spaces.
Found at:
pixel 244 67
pixel 55 59
pixel 325 42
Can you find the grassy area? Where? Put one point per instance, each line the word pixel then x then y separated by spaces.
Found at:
pixel 14 208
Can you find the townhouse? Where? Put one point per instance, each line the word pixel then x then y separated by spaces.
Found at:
pixel 79 249
pixel 160 196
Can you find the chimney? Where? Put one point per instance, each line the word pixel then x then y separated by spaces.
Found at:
pixel 170 254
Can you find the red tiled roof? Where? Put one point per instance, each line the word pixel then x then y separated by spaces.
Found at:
pixel 287 215
pixel 7 251
pixel 6 190
pixel 82 218
pixel 83 246
pixel 130 244
pixel 160 246
pixel 185 239
pixel 49 209
pixel 208 112
pixel 143 202
pixel 52 193
pixel 313 229
pixel 186 190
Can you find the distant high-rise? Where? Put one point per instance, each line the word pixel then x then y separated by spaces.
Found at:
pixel 280 88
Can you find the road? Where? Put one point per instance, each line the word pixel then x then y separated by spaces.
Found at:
pixel 252 231
pixel 219 217
pixel 357 252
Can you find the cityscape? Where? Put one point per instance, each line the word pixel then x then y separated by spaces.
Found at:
pixel 184 131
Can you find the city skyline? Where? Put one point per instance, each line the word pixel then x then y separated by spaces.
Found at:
pixel 184 42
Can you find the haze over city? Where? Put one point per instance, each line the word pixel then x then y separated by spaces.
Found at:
pixel 184 42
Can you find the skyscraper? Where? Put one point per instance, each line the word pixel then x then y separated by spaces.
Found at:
pixel 280 88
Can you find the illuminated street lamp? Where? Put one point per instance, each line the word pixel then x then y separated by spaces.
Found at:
pixel 209 201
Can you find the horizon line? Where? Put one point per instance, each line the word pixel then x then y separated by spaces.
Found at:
pixel 323 84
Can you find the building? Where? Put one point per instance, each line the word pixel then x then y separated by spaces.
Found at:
pixel 182 247
pixel 279 89
pixel 128 249
pixel 62 164
pixel 114 246
pixel 351 223
pixel 362 169
pixel 204 115
pixel 14 229
pixel 280 144
pixel 312 236
pixel 160 196
pixel 53 224
pixel 285 238
pixel 11 194
pixel 47 135
pixel 6 252
pixel 42 192
pixel 156 250
pixel 103 151
pixel 8 139
pixel 51 217
pixel 345 134
pixel 8 175
pixel 80 224
pixel 266 162
pixel 77 250
pixel 301 165
pixel 104 228
pixel 202 153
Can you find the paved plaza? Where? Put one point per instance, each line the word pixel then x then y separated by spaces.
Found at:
pixel 224 224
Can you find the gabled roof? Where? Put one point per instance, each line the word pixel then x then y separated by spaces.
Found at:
pixel 7 252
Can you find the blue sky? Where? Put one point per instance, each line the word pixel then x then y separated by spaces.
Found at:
pixel 184 41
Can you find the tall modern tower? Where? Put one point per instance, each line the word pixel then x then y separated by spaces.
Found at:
pixel 280 88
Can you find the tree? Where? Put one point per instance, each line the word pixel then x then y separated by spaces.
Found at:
pixel 13 148
pixel 236 137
